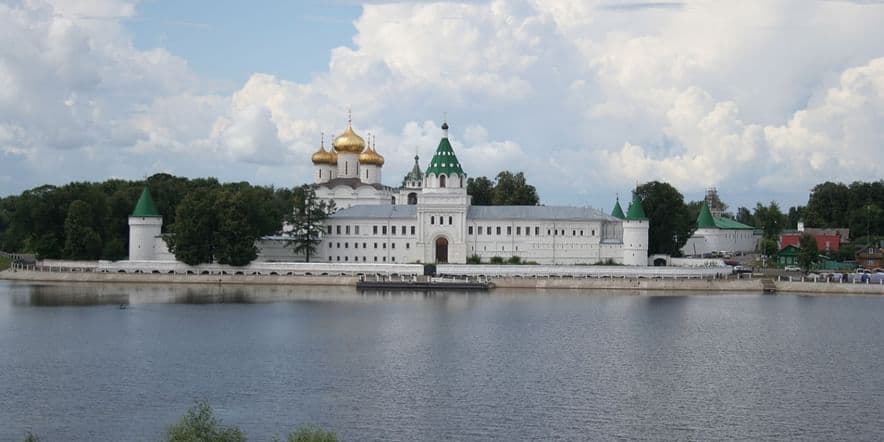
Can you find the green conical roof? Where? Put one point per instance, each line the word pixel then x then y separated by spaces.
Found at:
pixel 145 206
pixel 636 212
pixel 705 219
pixel 415 174
pixel 618 212
pixel 444 160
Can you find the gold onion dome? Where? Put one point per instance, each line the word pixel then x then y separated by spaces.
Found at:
pixel 348 141
pixel 323 156
pixel 371 156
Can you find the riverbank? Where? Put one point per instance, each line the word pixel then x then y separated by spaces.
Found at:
pixel 753 285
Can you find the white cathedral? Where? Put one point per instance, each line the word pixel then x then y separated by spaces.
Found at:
pixel 429 219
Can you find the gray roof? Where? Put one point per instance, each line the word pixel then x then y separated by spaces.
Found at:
pixel 547 213
pixel 352 183
pixel 377 211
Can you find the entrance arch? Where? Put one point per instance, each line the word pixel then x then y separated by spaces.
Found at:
pixel 442 250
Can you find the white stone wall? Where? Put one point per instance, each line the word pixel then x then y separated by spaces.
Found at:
pixel 346 196
pixel 143 231
pixel 369 241
pixel 348 165
pixel 544 242
pixel 705 241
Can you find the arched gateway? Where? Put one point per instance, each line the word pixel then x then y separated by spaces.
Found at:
pixel 441 250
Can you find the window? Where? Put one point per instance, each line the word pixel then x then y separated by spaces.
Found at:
pixel 393 230
pixel 337 258
pixel 581 233
pixel 488 230
pixel 407 246
pixel 509 230
pixel 329 230
pixel 357 230
pixel 432 220
pixel 347 229
pixel 450 222
pixel 412 230
pixel 383 230
pixel 441 180
pixel 355 245
pixel 498 230
pixel 593 232
pixel 337 245
pixel 527 231
pixel 536 231
pixel 329 259
pixel 470 230
pixel 375 245
pixel 548 232
pixel 518 230
pixel 374 230
pixel 393 258
pixel 363 246
pixel 393 246
pixel 338 230
pixel 441 220
pixel 384 245
pixel 403 230
pixel 385 259
pixel 375 259
pixel 573 233
pixel 346 245
pixel 330 245
pixel 363 259
pixel 346 258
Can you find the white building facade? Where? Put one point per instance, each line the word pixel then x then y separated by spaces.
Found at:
pixel 430 219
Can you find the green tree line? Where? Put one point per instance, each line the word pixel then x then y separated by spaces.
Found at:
pixel 89 221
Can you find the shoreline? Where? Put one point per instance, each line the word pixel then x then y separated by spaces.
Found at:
pixel 627 284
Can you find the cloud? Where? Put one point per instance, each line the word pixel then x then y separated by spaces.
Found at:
pixel 587 97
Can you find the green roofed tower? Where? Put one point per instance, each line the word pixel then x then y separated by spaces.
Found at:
pixel 705 219
pixel 145 205
pixel 444 161
pixel 618 211
pixel 636 212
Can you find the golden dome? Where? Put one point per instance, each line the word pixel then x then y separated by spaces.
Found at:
pixel 371 156
pixel 348 141
pixel 323 156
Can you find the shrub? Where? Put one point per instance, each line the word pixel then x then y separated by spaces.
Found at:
pixel 308 433
pixel 474 259
pixel 514 260
pixel 496 260
pixel 200 425
pixel 31 437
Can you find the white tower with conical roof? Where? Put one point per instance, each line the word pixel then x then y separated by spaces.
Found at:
pixel 145 226
pixel 635 233
pixel 442 207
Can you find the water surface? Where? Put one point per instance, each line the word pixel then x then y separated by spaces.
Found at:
pixel 512 365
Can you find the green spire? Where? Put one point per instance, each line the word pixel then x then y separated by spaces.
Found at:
pixel 145 206
pixel 444 160
pixel 618 211
pixel 636 212
pixel 415 174
pixel 705 219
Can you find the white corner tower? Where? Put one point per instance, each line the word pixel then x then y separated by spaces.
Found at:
pixel 635 234
pixel 145 226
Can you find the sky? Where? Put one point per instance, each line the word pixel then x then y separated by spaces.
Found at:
pixel 762 99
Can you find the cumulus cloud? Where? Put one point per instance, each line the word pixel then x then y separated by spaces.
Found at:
pixel 587 97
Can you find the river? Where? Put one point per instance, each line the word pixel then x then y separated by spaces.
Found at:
pixel 509 365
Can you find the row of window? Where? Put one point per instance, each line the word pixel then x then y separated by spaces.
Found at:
pixel 498 230
pixel 364 259
pixel 365 245
pixel 374 230
pixel 441 220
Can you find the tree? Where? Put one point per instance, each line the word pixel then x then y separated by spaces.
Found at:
pixel 308 433
pixel 237 230
pixel 744 216
pixel 768 247
pixel 200 425
pixel 480 189
pixel 513 190
pixel 808 254
pixel 192 237
pixel 770 219
pixel 670 221
pixel 306 220
pixel 81 241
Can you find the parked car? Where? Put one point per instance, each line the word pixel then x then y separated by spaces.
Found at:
pixel 742 269
pixel 792 268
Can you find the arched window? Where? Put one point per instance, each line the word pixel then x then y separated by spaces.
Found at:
pixel 412 198
pixel 441 180
pixel 461 180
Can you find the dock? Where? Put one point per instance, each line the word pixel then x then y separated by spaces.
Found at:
pixel 423 283
pixel 768 285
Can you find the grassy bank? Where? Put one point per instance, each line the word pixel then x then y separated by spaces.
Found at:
pixel 4 263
